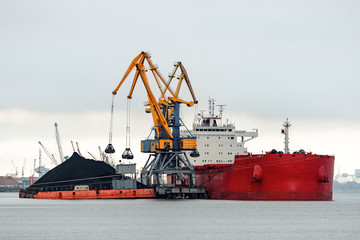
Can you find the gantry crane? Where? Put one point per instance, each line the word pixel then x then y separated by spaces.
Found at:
pixel 78 149
pixel 23 168
pixel 38 170
pixel 102 158
pixel 33 173
pixel 51 156
pixel 41 170
pixel 59 143
pixel 167 149
pixel 15 169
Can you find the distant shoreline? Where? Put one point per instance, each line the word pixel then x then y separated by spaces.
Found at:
pixel 9 188
pixel 348 187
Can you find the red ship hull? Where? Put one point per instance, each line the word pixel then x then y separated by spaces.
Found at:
pixel 270 177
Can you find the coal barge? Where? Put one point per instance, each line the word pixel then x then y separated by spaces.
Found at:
pixel 81 178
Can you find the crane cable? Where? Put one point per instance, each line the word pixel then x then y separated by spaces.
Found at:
pixel 110 149
pixel 111 120
pixel 127 154
pixel 128 124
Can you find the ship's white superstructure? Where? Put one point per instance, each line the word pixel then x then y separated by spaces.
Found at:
pixel 218 142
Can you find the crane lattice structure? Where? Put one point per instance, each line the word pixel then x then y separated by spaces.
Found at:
pixel 167 151
pixel 59 143
pixel 51 156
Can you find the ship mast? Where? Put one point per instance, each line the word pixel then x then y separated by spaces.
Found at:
pixel 221 109
pixel 286 133
pixel 211 107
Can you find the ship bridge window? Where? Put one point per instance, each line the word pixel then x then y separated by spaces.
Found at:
pixel 214 124
pixel 206 122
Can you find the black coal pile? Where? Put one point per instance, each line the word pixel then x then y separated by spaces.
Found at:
pixel 76 170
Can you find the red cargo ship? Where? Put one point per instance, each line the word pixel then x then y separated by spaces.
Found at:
pixel 270 177
pixel 229 172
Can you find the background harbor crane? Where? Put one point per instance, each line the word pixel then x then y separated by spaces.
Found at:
pixel 59 143
pixel 51 156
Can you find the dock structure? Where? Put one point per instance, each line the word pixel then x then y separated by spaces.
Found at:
pixel 173 192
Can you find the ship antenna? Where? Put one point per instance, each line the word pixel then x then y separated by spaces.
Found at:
pixel 196 112
pixel 211 106
pixel 221 109
pixel 286 133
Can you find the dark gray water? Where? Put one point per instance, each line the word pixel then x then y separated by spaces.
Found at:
pixel 178 219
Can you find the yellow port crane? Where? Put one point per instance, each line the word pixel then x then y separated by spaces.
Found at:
pixel 168 146
pixel 155 106
pixel 15 169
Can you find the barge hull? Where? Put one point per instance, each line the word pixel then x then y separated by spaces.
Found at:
pixel 94 194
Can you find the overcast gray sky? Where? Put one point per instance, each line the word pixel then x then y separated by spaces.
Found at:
pixel 266 60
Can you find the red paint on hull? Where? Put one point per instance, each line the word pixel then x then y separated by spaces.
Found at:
pixel 284 177
pixel 95 194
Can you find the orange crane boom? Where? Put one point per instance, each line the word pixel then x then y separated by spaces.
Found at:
pixel 160 121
